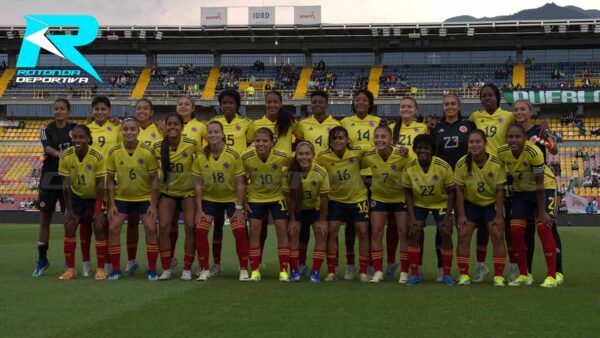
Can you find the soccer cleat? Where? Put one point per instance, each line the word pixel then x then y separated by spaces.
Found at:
pixel 315 276
pixel 86 269
pixel 377 277
pixel 100 275
pixel 560 278
pixel 152 275
pixel 255 276
pixel 302 270
pixel 363 277
pixel 69 274
pixel 403 277
pixel 498 281
pixel 131 267
pixel 349 275
pixel 284 277
pixel 115 275
pixel 295 276
pixel 391 271
pixel 226 222
pixel 215 270
pixel 549 282
pixel 440 275
pixel 186 275
pixel 413 280
pixel 513 272
pixel 40 267
pixel 244 275
pixel 331 277
pixel 464 280
pixel 174 262
pixel 447 280
pixel 521 280
pixel 165 275
pixel 482 271
pixel 529 280
pixel 204 276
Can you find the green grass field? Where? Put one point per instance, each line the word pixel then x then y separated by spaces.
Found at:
pixel 225 307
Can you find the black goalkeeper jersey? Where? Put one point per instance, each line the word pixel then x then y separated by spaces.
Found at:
pixel 59 139
pixel 451 140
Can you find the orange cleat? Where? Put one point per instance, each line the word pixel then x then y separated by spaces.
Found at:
pixel 100 275
pixel 68 275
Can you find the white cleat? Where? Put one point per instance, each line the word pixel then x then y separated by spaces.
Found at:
pixel 166 275
pixel 349 274
pixel 377 277
pixel 244 276
pixel 131 267
pixel 186 275
pixel 440 274
pixel 403 277
pixel 86 270
pixel 215 270
pixel 204 276
pixel 482 271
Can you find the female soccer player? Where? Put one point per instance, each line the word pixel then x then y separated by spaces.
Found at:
pixel 538 134
pixel 276 119
pixel 176 156
pixel 235 128
pixel 135 167
pixel 480 179
pixel 263 165
pixel 348 198
pixel 314 129
pixel 220 186
pixel 308 185
pixel 429 188
pixel 55 139
pixel 150 133
pixel 360 127
pixel 83 171
pixel 387 196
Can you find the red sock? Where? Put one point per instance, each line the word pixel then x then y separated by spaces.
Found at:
pixel 517 236
pixel 284 257
pixel 114 252
pixel 165 259
pixel 332 259
pixel 294 254
pixel 318 258
pixel 549 247
pixel 217 241
pixel 85 238
pixel 404 261
pixel 100 253
pixel 152 254
pixel 131 250
pixel 377 256
pixel 254 258
pixel 481 253
pixel 446 261
pixel 70 243
pixel 188 259
pixel 392 240
pixel 174 233
pixel 202 230
pixel 363 263
pixel 499 263
pixel 422 248
pixel 241 243
pixel 414 252
pixel 463 264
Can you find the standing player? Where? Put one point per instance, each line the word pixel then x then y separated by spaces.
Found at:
pixel 429 188
pixel 83 171
pixel 525 163
pixel 276 119
pixel 176 157
pixel 235 128
pixel 220 187
pixel 387 197
pixel 348 199
pixel 314 129
pixel 308 185
pixel 264 168
pixel 480 179
pixel 55 139
pixel 135 167
pixel 360 128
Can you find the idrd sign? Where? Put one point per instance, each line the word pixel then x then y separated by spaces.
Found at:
pixel 261 15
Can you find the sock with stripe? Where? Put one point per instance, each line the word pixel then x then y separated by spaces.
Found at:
pixel 85 238
pixel 446 260
pixel 283 252
pixel 188 260
pixel 294 254
pixel 363 263
pixel 549 247
pixel 70 243
pixel 100 253
pixel 463 264
pixel 241 243
pixel 165 259
pixel 499 263
pixel 481 253
pixel 517 237
pixel 404 261
pixel 254 254
pixel 332 259
pixel 114 253
pixel 377 256
pixel 414 254
pixel 132 250
pixel 318 258
pixel 202 230
pixel 152 255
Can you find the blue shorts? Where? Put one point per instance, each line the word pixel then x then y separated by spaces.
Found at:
pixel 438 214
pixel 524 204
pixel 218 209
pixel 348 212
pixel 81 205
pixel 308 217
pixel 175 198
pixel 125 207
pixel 479 215
pixel 278 210
pixel 387 207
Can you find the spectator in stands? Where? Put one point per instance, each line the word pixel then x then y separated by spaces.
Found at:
pixel 267 87
pixel 259 65
pixel 562 208
pixel 587 183
pixel 559 136
pixel 250 91
pixel 579 153
pixel 321 65
pixel 3 65
pixel 556 75
pixel 509 62
pixel 595 182
pixel 595 205
pixel 575 166
pixel 589 209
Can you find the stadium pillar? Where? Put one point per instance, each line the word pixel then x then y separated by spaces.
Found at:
pixel 519 58
pixel 12 60
pixel 378 57
pixel 307 59
pixel 216 60
pixel 149 59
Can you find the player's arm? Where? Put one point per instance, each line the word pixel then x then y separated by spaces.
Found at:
pixel 48 149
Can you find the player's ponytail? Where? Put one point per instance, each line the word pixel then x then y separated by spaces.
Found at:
pixel 165 156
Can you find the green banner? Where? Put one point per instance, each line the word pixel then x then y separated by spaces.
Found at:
pixel 553 96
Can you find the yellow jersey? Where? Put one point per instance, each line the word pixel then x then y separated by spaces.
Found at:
pixel 105 137
pixel 345 180
pixel 219 175
pixel 481 184
pixel 523 169
pixel 494 126
pixel 265 178
pixel 83 173
pixel 311 130
pixel 283 143
pixel 428 189
pixel 314 184
pixel 386 184
pixel 408 134
pixel 150 135
pixel 194 130
pixel 235 132
pixel 180 182
pixel 360 132
pixel 132 172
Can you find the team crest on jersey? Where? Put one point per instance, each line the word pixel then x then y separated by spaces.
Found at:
pixel 490 174
pixel 436 177
pixel 42 204
pixel 393 167
pixel 313 183
pixel 371 124
pixel 194 129
pixel 274 167
pixel 141 161
pixel 238 127
pixel 416 129
pixel 153 135
pixel 463 129
pixel 109 128
pixel 88 167
pixel 351 160
pixel 500 120
pixel 524 164
pixel 311 129
pixel 226 165
pixel 184 154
